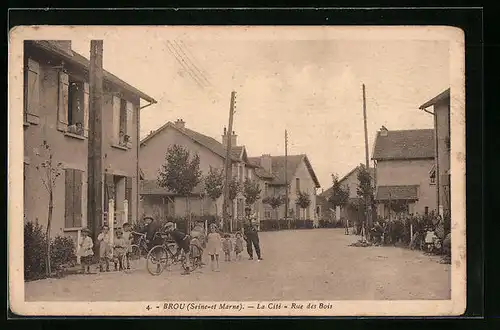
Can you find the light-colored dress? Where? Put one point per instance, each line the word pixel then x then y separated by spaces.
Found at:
pixel 85 247
pixel 214 244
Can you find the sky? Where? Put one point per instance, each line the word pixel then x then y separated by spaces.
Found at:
pixel 311 88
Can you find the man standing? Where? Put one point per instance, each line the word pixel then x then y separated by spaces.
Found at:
pixel 251 235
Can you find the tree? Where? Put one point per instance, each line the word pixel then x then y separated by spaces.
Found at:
pixel 49 172
pixel 275 202
pixel 214 185
pixel 181 174
pixel 340 194
pixel 251 191
pixel 365 189
pixel 303 200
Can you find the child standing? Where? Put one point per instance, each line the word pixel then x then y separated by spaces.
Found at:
pixel 227 246
pixel 214 246
pixel 85 250
pixel 128 237
pixel 104 248
pixel 119 249
pixel 238 246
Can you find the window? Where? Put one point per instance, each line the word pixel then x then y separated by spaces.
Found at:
pixel 241 173
pixel 73 198
pixel 73 105
pixel 267 214
pixel 265 189
pixel 31 91
pixel 432 175
pixel 123 112
pixel 297 185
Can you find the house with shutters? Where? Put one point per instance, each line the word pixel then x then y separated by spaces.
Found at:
pixel 162 203
pixel 276 173
pixel 348 212
pixel 404 171
pixel 56 110
pixel 439 108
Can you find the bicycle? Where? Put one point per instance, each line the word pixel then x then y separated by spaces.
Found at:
pixel 138 249
pixel 161 256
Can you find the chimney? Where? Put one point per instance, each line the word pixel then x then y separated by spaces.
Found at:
pixel 266 162
pixel 383 131
pixel 233 138
pixel 179 123
pixel 64 45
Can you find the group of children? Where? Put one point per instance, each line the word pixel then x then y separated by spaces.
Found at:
pixel 217 244
pixel 107 252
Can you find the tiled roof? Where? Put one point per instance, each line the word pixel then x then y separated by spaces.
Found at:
pixel 205 140
pixel 236 152
pixel 407 144
pixel 278 168
pixel 327 192
pixel 151 187
pixel 384 193
pixel 441 97
pixel 260 171
pixel 74 57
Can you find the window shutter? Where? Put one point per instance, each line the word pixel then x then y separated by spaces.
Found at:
pixel 33 99
pixel 62 106
pixel 130 118
pixel 86 109
pixel 68 198
pixel 116 119
pixel 128 197
pixel 77 198
pixel 108 190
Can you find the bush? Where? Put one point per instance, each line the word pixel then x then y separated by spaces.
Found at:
pixel 62 252
pixel 35 245
pixel 35 249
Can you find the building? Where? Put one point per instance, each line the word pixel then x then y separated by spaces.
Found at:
pixel 56 111
pixel 441 112
pixel 299 176
pixel 349 211
pixel 404 165
pixel 163 203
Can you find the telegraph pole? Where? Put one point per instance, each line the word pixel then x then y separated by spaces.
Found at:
pixel 286 179
pixel 228 163
pixel 367 160
pixel 94 201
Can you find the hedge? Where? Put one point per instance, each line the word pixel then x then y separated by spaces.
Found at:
pixel 35 249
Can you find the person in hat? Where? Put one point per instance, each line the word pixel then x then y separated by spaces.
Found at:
pixel 152 227
pixel 251 235
pixel 85 251
pixel 182 240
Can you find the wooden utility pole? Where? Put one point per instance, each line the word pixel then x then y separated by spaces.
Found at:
pixel 95 172
pixel 286 179
pixel 228 163
pixel 367 161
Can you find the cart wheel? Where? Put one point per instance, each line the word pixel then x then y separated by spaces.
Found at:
pixel 157 260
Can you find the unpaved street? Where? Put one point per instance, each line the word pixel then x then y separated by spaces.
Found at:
pixel 314 264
